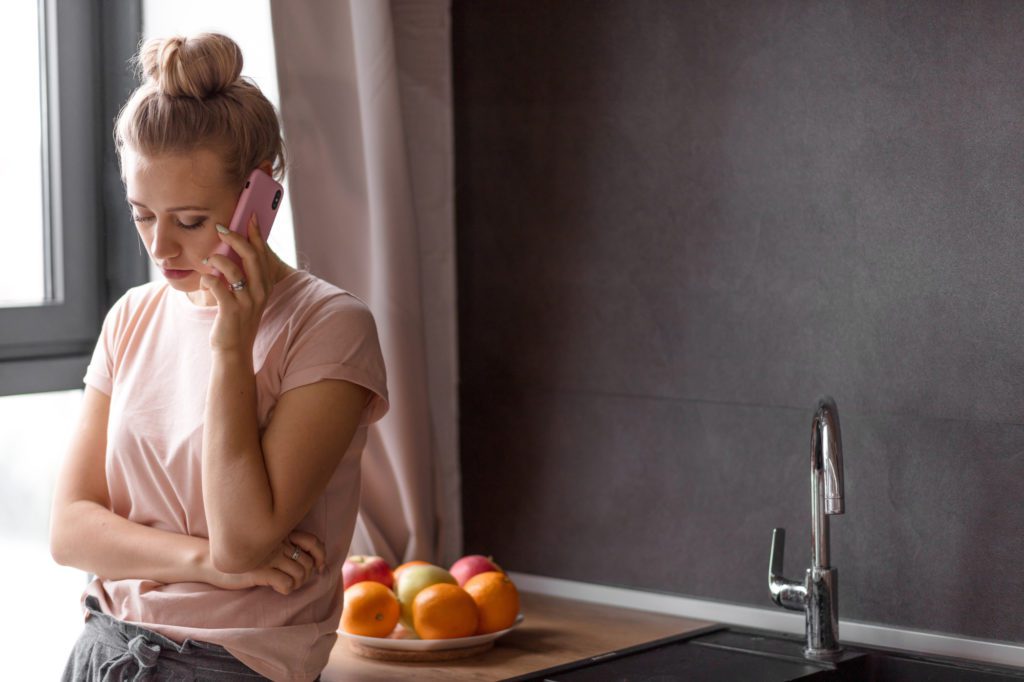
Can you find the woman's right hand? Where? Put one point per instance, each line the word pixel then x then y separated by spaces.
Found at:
pixel 279 571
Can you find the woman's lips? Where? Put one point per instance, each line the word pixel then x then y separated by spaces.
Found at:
pixel 175 274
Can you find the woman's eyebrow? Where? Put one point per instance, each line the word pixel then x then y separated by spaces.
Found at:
pixel 176 208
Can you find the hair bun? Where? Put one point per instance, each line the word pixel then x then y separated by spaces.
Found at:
pixel 199 67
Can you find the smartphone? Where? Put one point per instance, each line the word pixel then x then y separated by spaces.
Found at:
pixel 261 195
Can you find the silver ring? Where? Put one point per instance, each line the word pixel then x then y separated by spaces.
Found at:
pixel 295 554
pixel 238 286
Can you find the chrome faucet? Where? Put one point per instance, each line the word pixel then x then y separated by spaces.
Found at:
pixel 818 594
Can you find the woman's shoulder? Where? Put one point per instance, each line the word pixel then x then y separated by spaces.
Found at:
pixel 313 323
pixel 302 291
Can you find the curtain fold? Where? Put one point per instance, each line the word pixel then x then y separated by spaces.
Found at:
pixel 366 106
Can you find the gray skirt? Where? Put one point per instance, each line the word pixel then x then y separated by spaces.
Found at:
pixel 110 650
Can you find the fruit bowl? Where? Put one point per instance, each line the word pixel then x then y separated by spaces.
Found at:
pixel 404 640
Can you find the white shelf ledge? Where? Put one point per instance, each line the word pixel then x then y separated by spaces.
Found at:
pixel 850 632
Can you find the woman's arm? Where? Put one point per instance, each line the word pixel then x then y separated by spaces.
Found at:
pixel 86 534
pixel 256 490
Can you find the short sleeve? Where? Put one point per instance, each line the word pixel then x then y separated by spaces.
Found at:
pixel 339 341
pixel 100 372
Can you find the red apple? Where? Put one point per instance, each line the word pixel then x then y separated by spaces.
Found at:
pixel 472 564
pixel 357 568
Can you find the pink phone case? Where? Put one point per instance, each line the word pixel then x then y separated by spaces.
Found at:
pixel 261 195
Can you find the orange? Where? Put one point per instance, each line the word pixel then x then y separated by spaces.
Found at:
pixel 443 611
pixel 398 569
pixel 371 610
pixel 496 598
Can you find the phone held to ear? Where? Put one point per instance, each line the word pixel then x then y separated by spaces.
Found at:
pixel 261 195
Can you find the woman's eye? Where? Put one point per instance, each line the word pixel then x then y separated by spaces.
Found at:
pixel 187 226
pixel 192 226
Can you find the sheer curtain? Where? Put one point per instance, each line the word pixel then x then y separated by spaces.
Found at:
pixel 366 104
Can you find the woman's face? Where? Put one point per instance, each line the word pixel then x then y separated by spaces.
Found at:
pixel 176 199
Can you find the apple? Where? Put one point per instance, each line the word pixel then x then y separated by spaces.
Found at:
pixel 358 568
pixel 472 564
pixel 400 569
pixel 414 579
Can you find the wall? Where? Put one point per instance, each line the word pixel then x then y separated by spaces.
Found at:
pixel 679 223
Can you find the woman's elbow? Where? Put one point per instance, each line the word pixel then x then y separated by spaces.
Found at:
pixel 60 539
pixel 235 557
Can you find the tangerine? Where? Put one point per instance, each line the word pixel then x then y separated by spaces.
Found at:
pixel 444 611
pixel 371 610
pixel 496 598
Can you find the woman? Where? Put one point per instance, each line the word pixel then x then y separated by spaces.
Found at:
pixel 212 483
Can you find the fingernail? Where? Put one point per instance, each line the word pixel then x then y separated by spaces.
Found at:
pixel 205 261
pixel 222 229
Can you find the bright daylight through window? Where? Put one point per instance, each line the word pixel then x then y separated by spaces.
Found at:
pixel 21 177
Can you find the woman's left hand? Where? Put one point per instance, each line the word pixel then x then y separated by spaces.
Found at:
pixel 239 308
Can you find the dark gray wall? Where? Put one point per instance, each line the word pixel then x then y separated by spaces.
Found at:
pixel 679 223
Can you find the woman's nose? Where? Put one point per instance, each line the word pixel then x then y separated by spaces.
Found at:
pixel 162 245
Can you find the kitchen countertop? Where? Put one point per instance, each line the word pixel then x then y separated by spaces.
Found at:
pixel 554 631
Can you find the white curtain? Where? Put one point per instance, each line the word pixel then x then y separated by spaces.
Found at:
pixel 366 104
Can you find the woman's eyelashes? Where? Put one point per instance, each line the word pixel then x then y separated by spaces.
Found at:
pixel 188 226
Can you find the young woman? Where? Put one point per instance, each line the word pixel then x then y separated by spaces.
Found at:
pixel 213 480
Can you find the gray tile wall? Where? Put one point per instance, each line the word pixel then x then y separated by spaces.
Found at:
pixel 679 223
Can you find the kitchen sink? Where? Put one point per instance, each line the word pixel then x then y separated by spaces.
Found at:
pixel 731 654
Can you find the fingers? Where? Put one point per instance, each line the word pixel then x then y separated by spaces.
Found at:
pixel 254 254
pixel 312 545
pixel 255 236
pixel 231 273
pixel 284 574
pixel 300 560
pixel 294 570
pixel 219 289
pixel 280 582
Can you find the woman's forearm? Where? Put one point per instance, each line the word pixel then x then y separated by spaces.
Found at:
pixel 90 537
pixel 236 488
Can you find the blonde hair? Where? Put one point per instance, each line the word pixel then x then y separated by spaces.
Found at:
pixel 193 96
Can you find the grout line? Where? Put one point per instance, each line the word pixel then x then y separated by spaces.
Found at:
pixel 851 632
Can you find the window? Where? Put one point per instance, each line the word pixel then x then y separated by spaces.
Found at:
pixel 58 188
pixel 70 250
pixel 22 281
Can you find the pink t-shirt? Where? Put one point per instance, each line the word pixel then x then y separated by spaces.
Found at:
pixel 153 360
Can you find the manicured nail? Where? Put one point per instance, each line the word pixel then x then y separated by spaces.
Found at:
pixel 222 229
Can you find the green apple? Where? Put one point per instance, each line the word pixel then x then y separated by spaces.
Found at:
pixel 412 580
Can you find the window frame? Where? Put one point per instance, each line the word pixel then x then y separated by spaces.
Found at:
pixel 92 251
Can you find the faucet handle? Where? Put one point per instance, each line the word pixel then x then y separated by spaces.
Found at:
pixel 789 594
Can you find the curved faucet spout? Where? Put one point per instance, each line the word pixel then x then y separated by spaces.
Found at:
pixel 827 453
pixel 826 477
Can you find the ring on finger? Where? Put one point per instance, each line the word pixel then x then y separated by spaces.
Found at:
pixel 239 285
pixel 295 554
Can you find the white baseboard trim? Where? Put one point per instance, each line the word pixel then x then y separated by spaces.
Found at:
pixel 851 632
